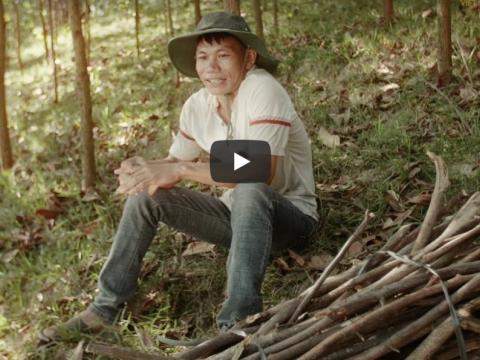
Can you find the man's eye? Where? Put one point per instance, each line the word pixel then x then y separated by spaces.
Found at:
pixel 223 55
pixel 201 57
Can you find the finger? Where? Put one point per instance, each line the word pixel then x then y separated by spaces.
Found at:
pixel 137 189
pixel 152 189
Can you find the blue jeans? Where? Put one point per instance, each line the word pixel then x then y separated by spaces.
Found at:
pixel 260 221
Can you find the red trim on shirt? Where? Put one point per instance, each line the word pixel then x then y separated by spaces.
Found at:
pixel 271 122
pixel 186 136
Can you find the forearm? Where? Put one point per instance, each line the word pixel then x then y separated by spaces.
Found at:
pixel 199 172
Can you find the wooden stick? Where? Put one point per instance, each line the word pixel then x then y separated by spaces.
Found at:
pixel 213 345
pixel 121 353
pixel 434 341
pixel 461 220
pixel 451 352
pixel 440 334
pixel 311 291
pixel 441 185
pixel 377 316
pixel 452 243
pixel 411 332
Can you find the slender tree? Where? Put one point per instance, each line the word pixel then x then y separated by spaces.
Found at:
pixel 44 29
pixel 198 11
pixel 275 16
pixel 388 11
pixel 171 30
pixel 87 29
pixel 257 8
pixel 83 87
pixel 232 6
pixel 137 26
pixel 444 63
pixel 18 35
pixel 52 48
pixel 5 145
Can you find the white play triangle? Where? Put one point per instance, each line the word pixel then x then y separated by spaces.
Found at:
pixel 239 161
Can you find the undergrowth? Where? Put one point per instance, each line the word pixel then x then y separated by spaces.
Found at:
pixel 371 85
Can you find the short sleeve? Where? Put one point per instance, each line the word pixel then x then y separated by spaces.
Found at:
pixel 184 146
pixel 270 115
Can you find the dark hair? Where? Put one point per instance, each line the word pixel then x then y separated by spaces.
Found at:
pixel 217 38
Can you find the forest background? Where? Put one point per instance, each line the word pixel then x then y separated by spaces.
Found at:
pixel 367 89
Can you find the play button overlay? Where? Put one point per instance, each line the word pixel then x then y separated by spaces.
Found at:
pixel 240 161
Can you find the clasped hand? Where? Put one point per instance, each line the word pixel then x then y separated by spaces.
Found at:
pixel 137 174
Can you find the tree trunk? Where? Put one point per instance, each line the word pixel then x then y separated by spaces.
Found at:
pixel 44 29
pixel 232 6
pixel 52 48
pixel 5 145
pixel 257 8
pixel 388 11
pixel 87 29
pixel 169 18
pixel 18 36
pixel 198 12
pixel 137 27
pixel 444 42
pixel 171 32
pixel 83 85
pixel 275 16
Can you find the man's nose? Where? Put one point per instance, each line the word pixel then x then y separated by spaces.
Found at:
pixel 212 63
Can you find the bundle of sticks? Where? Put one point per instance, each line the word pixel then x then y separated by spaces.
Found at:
pixel 418 297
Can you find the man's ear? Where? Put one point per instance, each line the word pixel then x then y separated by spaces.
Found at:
pixel 251 58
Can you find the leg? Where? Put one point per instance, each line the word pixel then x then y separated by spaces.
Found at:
pixel 260 219
pixel 195 213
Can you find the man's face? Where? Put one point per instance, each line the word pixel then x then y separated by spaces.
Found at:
pixel 221 66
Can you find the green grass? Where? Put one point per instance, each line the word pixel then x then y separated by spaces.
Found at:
pixel 336 58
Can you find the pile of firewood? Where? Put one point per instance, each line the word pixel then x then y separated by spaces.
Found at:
pixel 415 298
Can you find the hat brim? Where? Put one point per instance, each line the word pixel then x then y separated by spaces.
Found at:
pixel 181 50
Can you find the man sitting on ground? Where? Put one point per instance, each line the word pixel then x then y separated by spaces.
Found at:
pixel 240 100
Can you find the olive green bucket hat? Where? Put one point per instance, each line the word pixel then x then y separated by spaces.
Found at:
pixel 182 48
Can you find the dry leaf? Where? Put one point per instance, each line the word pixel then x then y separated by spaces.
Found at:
pixel 392 198
pixel 341 118
pixel 388 223
pixel 319 262
pixel 422 199
pixel 384 70
pixel 468 94
pixel 77 354
pixel 281 264
pixel 467 170
pixel 427 13
pixel 390 87
pixel 355 249
pixel 146 338
pixel 401 217
pixel 9 256
pixel 198 247
pixel 89 228
pixel 298 258
pixel 49 214
pixel 328 139
pixel 89 195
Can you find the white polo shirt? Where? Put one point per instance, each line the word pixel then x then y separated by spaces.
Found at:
pixel 262 110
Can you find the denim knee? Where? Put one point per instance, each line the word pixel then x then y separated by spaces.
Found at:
pixel 142 205
pixel 249 193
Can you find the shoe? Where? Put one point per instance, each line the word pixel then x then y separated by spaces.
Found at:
pixel 86 322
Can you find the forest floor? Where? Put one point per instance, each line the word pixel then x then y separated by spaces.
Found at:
pixel 368 88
